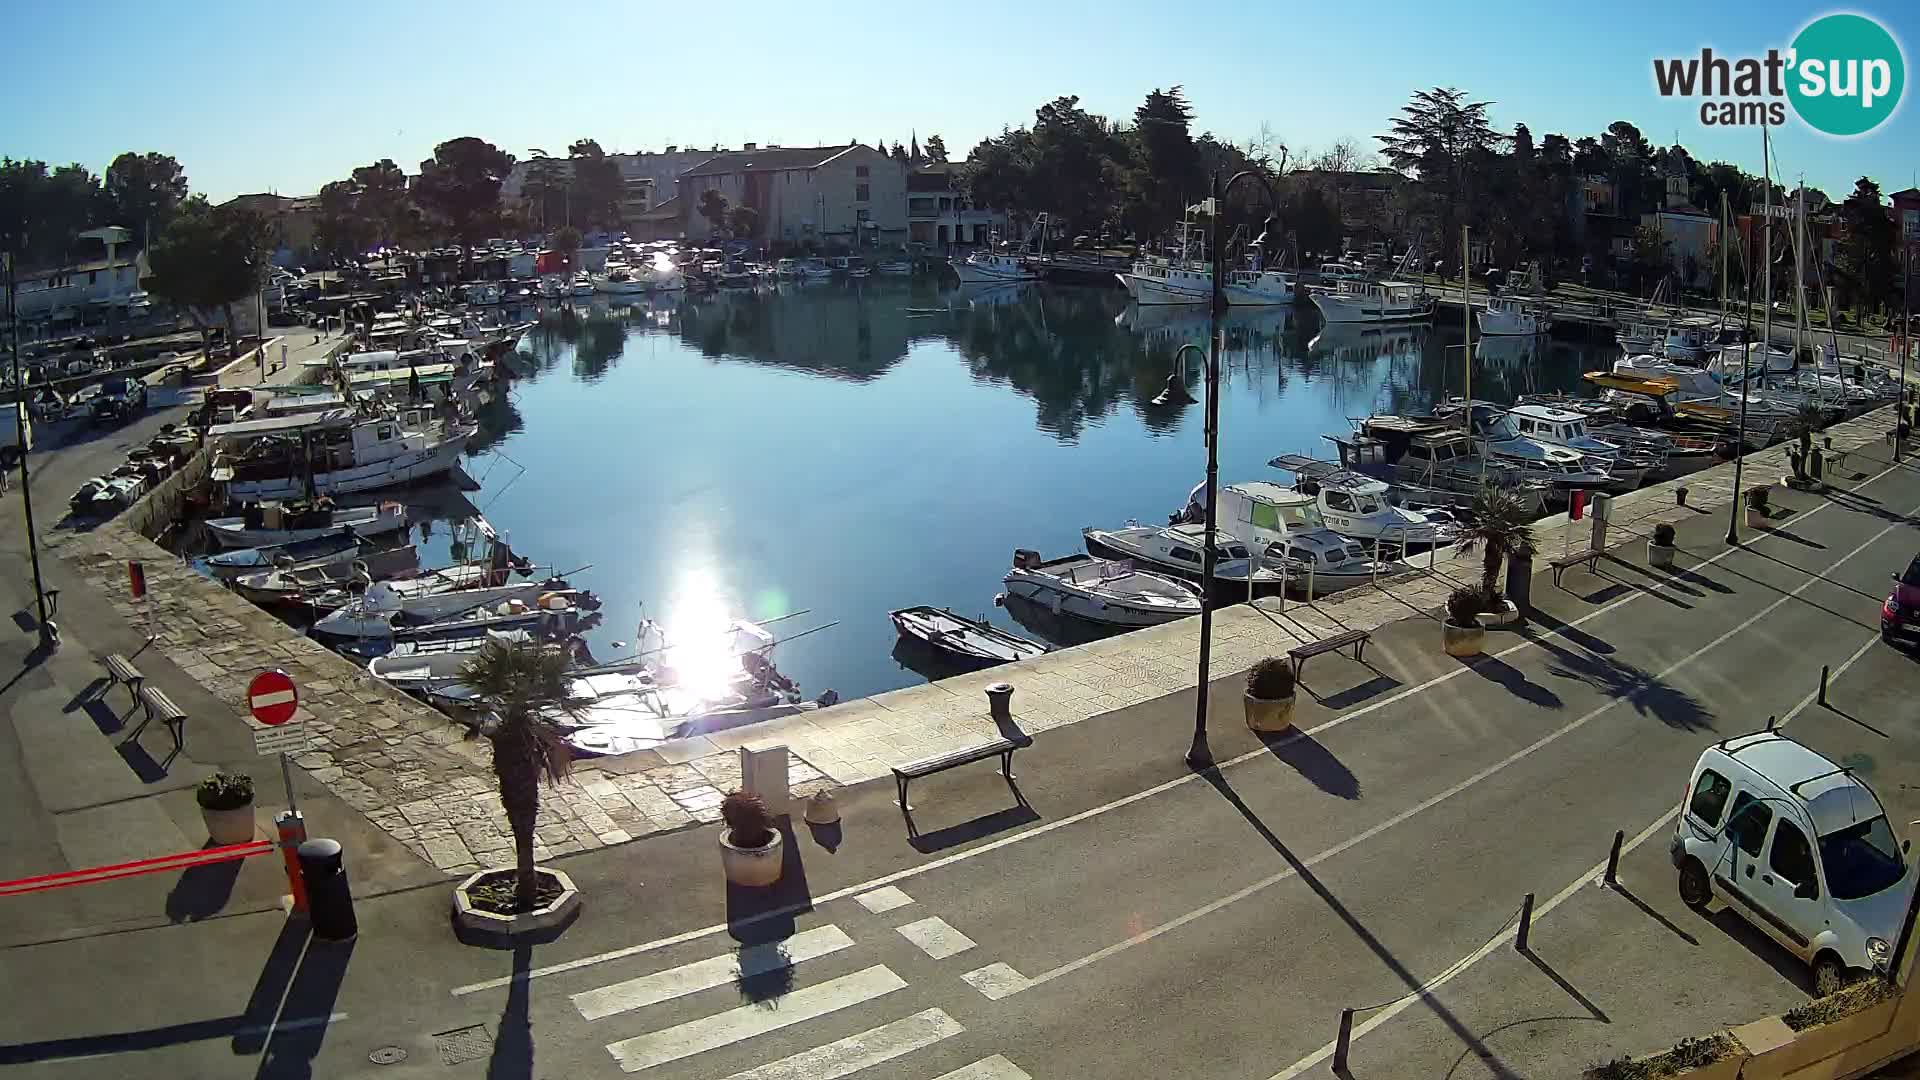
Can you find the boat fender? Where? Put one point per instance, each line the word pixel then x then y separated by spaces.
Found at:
pixel 552 601
pixel 999 599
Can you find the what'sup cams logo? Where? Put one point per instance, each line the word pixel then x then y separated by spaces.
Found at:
pixel 1843 75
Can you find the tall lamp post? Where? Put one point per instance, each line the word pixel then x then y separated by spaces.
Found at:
pixel 1200 755
pixel 20 440
pixel 1766 334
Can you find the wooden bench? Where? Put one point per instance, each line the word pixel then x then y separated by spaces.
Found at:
pixel 121 672
pixel 161 707
pixel 1356 638
pixel 1000 748
pixel 1565 562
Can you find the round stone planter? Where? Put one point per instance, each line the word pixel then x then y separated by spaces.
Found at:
pixel 755 867
pixel 555 913
pixel 225 827
pixel 1462 640
pixel 1660 555
pixel 1756 519
pixel 1269 714
pixel 1503 615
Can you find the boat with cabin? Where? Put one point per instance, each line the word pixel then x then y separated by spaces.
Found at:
pixel 1424 457
pixel 1182 277
pixel 1363 507
pixel 1176 549
pixel 334 452
pixel 1510 315
pixel 1500 440
pixel 1105 591
pixel 1374 301
pixel 275 522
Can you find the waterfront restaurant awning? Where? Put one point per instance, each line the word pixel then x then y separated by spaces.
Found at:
pixel 274 425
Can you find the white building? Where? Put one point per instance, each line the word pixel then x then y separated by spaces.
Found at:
pixel 92 285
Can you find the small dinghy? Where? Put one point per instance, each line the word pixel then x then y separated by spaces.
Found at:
pixel 973 641
pixel 330 547
pixel 327 584
pixel 272 523
pixel 1106 591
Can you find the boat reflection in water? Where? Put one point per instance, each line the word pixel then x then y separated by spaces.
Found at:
pixel 1509 350
pixel 1179 323
pixel 1367 343
pixel 1062 630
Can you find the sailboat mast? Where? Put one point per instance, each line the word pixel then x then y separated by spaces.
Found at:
pixel 1466 310
pixel 1766 257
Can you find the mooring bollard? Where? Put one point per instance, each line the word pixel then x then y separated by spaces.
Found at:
pixel 1345 1037
pixel 1825 671
pixel 1613 857
pixel 1526 923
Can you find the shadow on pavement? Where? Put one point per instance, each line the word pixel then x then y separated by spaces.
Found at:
pixel 1701 580
pixel 1570 632
pixel 1655 915
pixel 1845 715
pixel 1360 931
pixel 1614 679
pixel 1492 1031
pixel 304 1017
pixel 973 829
pixel 761 916
pixel 1572 991
pixel 1493 669
pixel 1313 761
pixel 1784 963
pixel 1354 695
pixel 1660 579
pixel 512 1057
pixel 202 891
pixel 1798 539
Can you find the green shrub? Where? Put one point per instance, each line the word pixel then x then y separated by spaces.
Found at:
pixel 1845 1002
pixel 1464 606
pixel 749 822
pixel 1663 534
pixel 225 791
pixel 1271 679
pixel 1757 498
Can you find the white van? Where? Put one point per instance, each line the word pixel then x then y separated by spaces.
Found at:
pixel 1800 847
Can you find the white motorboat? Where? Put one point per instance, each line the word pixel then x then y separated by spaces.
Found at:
pixel 411 670
pixel 1559 427
pixel 1374 301
pixel 1639 336
pixel 1159 280
pixel 275 524
pixel 333 452
pixel 1176 549
pixel 1689 339
pixel 388 605
pixel 661 275
pixel 990 268
pixel 329 584
pixel 1506 315
pixel 482 293
pixel 1500 440
pixel 1103 591
pixel 328 547
pixel 582 284
pixel 1258 287
pixel 814 270
pixel 787 268
pixel 620 281
pixel 1357 505
pixel 1285 527
pixel 894 267
pixel 1433 463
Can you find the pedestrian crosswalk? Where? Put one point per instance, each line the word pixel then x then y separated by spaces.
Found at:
pixel 832 982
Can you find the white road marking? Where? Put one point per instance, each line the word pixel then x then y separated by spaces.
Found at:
pixel 1090 812
pixel 1427 804
pixel 936 937
pixel 883 900
pixel 993 1068
pixel 996 981
pixel 855 1052
pixel 1561 897
pixel 724 1029
pixel 750 961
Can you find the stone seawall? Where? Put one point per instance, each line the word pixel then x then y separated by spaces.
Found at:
pixel 156 511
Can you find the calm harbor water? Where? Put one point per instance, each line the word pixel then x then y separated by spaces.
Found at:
pixel 850 448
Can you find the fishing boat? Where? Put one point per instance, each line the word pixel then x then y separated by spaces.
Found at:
pixel 1255 288
pixel 1688 339
pixel 1361 506
pixel 274 523
pixel 1637 336
pixel 972 641
pixel 1506 315
pixel 991 268
pixel 1500 440
pixel 1374 301
pixel 1183 277
pixel 814 269
pixel 324 586
pixel 1104 591
pixel 333 452
pixel 1423 454
pixel 421 672
pixel 787 268
pixel 1560 427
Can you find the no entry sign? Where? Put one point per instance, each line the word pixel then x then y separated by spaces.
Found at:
pixel 272 698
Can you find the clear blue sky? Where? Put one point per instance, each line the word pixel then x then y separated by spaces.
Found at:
pixel 255 97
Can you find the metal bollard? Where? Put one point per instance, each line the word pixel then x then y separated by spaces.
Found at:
pixel 1613 858
pixel 1526 924
pixel 1340 1043
pixel 1825 671
pixel 329 900
pixel 1000 702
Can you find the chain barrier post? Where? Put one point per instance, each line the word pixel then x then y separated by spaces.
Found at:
pixel 1526 923
pixel 1613 858
pixel 1340 1044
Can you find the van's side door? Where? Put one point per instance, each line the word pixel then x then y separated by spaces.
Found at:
pixel 1787 887
pixel 1736 875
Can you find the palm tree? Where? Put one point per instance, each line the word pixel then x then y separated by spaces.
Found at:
pixel 1499 530
pixel 524 684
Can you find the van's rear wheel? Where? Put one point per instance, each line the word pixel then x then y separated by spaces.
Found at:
pixel 1694 890
pixel 1829 975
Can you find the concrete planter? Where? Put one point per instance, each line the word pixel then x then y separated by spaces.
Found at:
pixel 1269 714
pixel 1504 614
pixel 1462 640
pixel 557 912
pixel 225 827
pixel 755 867
pixel 1660 555
pixel 1756 519
pixel 1846 1047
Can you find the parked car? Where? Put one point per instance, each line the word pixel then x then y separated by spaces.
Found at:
pixel 118 399
pixel 1901 613
pixel 1797 846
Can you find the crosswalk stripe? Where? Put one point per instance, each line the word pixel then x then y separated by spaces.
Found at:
pixel 723 1029
pixel 936 937
pixel 855 1052
pixel 751 961
pixel 993 1068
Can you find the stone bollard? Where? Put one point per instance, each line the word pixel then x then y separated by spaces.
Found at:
pixel 822 809
pixel 329 899
pixel 1000 702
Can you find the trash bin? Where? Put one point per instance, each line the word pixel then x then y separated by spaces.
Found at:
pixel 1520 583
pixel 329 900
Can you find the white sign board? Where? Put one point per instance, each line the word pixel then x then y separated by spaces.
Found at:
pixel 287 738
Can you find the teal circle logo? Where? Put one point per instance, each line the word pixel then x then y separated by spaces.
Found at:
pixel 1847 75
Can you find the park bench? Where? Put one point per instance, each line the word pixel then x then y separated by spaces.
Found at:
pixel 1001 748
pixel 161 707
pixel 1565 562
pixel 1356 638
pixel 121 672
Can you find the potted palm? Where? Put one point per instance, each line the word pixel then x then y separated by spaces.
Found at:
pixel 226 805
pixel 1499 530
pixel 1460 632
pixel 1801 428
pixel 523 689
pixel 1756 501
pixel 1660 548
pixel 1270 695
pixel 749 845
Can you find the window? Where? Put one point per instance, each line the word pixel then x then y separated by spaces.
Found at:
pixel 1234 551
pixel 1747 825
pixel 861 193
pixel 1339 500
pixel 1861 859
pixel 1184 554
pixel 1709 797
pixel 862 215
pixel 1792 857
pixel 1420 453
pixel 860 170
pixel 1301 555
pixel 385 432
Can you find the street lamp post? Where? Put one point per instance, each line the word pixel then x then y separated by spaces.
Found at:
pixel 1766 334
pixel 20 432
pixel 1200 755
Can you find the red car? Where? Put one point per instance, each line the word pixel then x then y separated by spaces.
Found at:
pixel 1901 613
